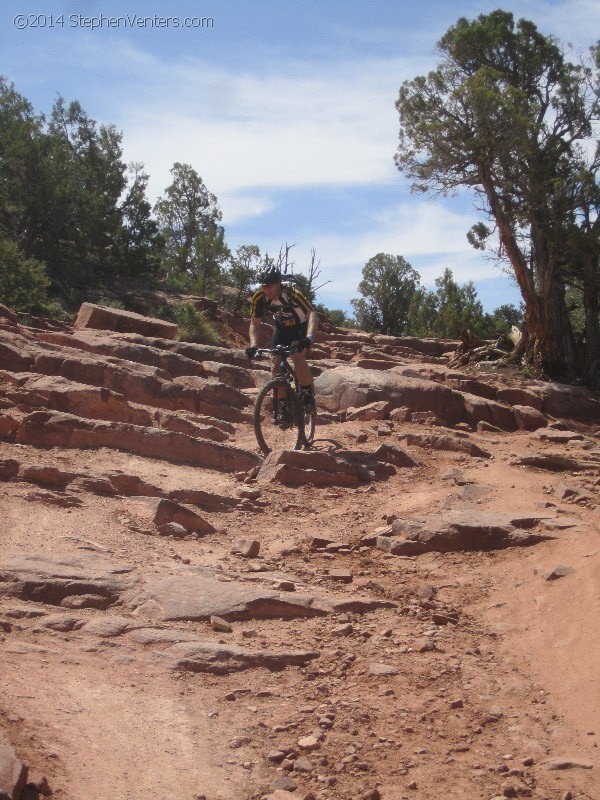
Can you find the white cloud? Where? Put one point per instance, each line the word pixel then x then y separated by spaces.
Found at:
pixel 301 126
pixel 237 206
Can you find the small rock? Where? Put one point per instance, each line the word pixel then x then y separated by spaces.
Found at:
pixel 249 494
pixel 458 703
pixel 339 575
pixel 8 468
pixel 559 571
pixel 275 756
pixel 381 670
pixel 246 549
pixel 425 646
pixel 239 741
pixel 372 794
pixel 318 542
pixel 309 743
pixel 173 529
pixel 426 591
pixel 303 765
pixel 412 785
pixel 221 625
pixel 342 630
pixel 284 783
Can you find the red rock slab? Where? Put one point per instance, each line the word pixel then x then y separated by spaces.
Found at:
pixel 221 659
pixel 114 319
pixel 54 429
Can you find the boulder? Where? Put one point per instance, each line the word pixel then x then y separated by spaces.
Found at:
pixel 380 409
pixel 47 475
pixel 467 385
pixel 344 387
pixel 392 454
pixel 571 402
pixel 481 409
pixel 298 468
pixel 529 418
pixel 8 426
pixel 520 396
pixel 160 511
pixel 375 363
pixel 113 319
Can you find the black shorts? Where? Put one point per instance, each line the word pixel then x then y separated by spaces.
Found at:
pixel 289 335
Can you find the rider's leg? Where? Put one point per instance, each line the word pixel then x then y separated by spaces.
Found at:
pixel 305 378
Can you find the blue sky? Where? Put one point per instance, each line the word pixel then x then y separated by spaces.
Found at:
pixel 285 108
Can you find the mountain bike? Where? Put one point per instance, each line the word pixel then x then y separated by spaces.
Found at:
pixel 282 421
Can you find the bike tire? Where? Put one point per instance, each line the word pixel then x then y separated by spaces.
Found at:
pixel 310 422
pixel 272 435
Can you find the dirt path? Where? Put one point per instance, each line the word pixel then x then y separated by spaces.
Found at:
pixel 395 704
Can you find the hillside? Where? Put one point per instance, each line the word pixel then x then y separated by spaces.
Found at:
pixel 408 610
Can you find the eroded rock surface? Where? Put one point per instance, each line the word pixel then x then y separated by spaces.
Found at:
pixel 394 612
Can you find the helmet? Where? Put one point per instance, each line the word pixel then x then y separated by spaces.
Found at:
pixel 269 275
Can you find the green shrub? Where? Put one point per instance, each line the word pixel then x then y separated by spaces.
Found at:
pixel 107 302
pixel 193 326
pixel 23 281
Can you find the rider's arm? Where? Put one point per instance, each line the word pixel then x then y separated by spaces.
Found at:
pixel 313 324
pixel 254 332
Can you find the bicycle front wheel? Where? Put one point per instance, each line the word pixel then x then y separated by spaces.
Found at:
pixel 278 420
pixel 310 421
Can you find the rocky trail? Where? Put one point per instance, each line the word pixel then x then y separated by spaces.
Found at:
pixel 407 610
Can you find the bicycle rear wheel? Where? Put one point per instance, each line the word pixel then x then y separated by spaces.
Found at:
pixel 278 421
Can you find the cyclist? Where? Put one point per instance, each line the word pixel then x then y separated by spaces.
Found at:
pixel 295 322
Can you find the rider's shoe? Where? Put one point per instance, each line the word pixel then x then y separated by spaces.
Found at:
pixel 284 416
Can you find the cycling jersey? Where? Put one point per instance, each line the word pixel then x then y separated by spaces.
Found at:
pixel 289 310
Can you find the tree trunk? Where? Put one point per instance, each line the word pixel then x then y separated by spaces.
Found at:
pixel 548 339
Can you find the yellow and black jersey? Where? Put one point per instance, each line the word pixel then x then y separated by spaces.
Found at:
pixel 290 309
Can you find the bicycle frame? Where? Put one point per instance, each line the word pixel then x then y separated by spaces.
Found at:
pixel 286 370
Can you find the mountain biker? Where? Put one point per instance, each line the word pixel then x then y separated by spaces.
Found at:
pixel 295 323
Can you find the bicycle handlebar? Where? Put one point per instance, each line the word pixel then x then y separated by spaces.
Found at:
pixel 280 350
